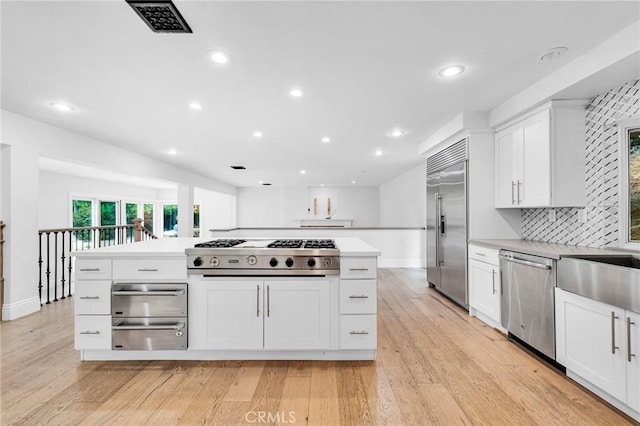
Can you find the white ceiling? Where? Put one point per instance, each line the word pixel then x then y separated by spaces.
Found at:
pixel 365 67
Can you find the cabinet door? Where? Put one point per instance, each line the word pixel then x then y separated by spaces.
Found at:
pixel 508 164
pixel 484 284
pixel 632 322
pixel 225 315
pixel 297 315
pixel 533 187
pixel 590 341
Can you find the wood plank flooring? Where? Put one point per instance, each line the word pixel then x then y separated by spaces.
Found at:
pixel 435 365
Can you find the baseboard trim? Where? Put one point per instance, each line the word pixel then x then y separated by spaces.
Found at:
pixel 11 311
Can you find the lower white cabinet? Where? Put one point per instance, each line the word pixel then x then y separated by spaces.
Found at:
pixel 248 314
pixel 484 285
pixel 358 331
pixel 599 343
pixel 93 332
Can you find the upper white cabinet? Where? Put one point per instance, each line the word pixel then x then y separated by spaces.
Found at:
pixel 540 157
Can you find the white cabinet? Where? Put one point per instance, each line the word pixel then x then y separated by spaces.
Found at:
pixel 540 158
pixel 92 332
pixel 93 298
pixel 150 269
pixel 297 315
pixel 484 285
pixel 358 303
pixel 92 321
pixel 256 314
pixel 599 343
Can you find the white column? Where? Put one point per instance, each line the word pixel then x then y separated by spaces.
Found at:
pixel 185 210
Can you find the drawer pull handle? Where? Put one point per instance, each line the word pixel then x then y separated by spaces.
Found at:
pixel 148 293
pixel 89 269
pixel 358 269
pixel 359 297
pixel 177 326
pixel 90 332
pixel 89 297
pixel 359 332
pixel 148 270
pixel 480 254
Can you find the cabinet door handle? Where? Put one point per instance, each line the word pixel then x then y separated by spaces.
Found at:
pixel 90 332
pixel 358 332
pixel 493 280
pixel 258 300
pixel 89 269
pixel 513 187
pixel 519 183
pixel 89 297
pixel 268 303
pixel 629 324
pixel 613 332
pixel 359 297
pixel 148 270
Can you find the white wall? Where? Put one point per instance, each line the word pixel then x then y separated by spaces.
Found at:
pixel 403 199
pixel 54 200
pixel 217 210
pixel 278 207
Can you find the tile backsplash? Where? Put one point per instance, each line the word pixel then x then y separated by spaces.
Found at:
pixel 599 228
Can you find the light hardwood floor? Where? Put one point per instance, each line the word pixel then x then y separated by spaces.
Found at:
pixel 435 365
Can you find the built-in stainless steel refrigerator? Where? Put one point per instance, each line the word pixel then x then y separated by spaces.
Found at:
pixel 447 222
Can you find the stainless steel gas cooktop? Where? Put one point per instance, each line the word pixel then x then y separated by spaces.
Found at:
pixel 238 257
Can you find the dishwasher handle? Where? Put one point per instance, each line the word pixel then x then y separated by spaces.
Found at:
pixel 525 262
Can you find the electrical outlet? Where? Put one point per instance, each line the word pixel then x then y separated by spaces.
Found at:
pixel 582 216
pixel 552 215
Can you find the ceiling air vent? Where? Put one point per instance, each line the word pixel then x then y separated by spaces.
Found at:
pixel 266 184
pixel 162 16
pixel 238 167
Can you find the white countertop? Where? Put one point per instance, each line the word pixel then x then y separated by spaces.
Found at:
pixel 172 247
pixel 539 248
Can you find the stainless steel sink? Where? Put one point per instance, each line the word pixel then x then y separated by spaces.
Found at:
pixel 612 279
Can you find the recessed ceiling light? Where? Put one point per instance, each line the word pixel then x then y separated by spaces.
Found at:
pixel 296 93
pixel 260 182
pixel 195 105
pixel 451 71
pixel 172 152
pixel 220 57
pixel 397 132
pixel 353 181
pixel 378 153
pixel 322 184
pixel 325 140
pixel 61 107
pixel 551 54
pixel 257 134
pixel 302 172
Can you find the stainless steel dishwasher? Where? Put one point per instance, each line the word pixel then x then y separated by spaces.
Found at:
pixel 527 300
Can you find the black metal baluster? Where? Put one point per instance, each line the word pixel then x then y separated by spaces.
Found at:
pixel 40 266
pixel 70 238
pixel 62 264
pixel 94 238
pixel 55 266
pixel 48 273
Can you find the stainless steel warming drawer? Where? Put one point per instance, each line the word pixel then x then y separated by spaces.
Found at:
pixel 149 316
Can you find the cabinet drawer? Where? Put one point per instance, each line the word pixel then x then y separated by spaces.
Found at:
pixel 93 297
pixel 358 267
pixel 93 332
pixel 484 254
pixel 358 331
pixel 149 269
pixel 358 296
pixel 92 269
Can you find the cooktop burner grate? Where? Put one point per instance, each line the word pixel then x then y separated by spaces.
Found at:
pixel 220 243
pixel 320 244
pixel 286 244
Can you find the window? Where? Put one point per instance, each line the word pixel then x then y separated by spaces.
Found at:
pixel 170 220
pixel 82 213
pixel 633 138
pixel 130 212
pixel 108 213
pixel 148 216
pixel 629 182
pixel 196 220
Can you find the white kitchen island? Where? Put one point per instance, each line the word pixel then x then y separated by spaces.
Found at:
pixel 330 317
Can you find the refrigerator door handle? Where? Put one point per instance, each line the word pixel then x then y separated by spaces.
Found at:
pixel 437 199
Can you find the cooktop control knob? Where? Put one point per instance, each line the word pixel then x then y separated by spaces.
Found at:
pixel 273 262
pixel 197 261
pixel 215 262
pixel 252 260
pixel 289 262
pixel 327 262
pixel 311 262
